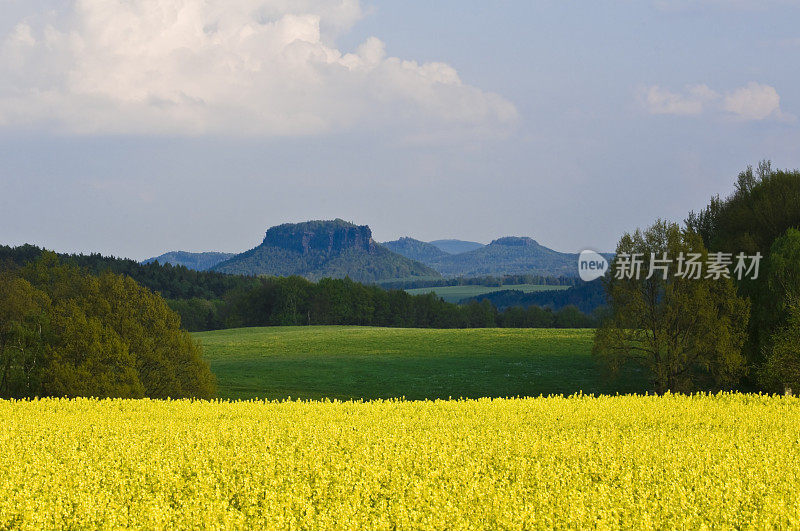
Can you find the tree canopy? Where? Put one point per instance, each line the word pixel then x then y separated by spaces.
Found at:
pixel 758 217
pixel 66 332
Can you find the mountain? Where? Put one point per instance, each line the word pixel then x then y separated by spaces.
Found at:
pixel 456 246
pixel 508 256
pixel 318 249
pixel 415 250
pixel 196 261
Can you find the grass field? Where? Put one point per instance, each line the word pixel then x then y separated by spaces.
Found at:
pixel 455 294
pixel 368 363
pixel 632 462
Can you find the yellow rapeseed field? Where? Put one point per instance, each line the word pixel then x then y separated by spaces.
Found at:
pixel 726 461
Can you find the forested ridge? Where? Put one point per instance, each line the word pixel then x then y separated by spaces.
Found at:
pixel 211 300
pixel 172 282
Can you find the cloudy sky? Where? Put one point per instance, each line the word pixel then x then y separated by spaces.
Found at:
pixel 133 127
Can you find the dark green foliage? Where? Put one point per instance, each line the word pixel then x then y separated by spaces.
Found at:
pixel 86 357
pixel 196 261
pixel 199 314
pixel 688 333
pixel 24 323
pixel 172 282
pixel 284 301
pixel 586 296
pixel 489 281
pixel 66 332
pixel 781 370
pixel 782 353
pixel 296 301
pixel 324 249
pixel 571 317
pixel 220 300
pixel 764 205
pixel 539 317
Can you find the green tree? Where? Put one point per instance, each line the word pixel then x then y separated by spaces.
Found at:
pixel 23 329
pixel 765 203
pixel 782 368
pixel 168 360
pixel 571 317
pixel 687 332
pixel 782 364
pixel 108 336
pixel 88 358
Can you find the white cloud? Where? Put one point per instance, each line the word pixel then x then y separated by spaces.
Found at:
pixel 752 102
pixel 250 67
pixel 663 101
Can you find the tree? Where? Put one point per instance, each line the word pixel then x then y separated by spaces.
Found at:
pixel 571 317
pixel 782 364
pixel 688 332
pixel 765 203
pixel 65 332
pixel 23 326
pixel 782 368
pixel 88 358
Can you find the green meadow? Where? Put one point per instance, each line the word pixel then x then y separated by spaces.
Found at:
pixel 348 362
pixel 455 294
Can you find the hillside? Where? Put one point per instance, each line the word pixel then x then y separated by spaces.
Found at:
pixel 456 246
pixel 416 250
pixel 196 261
pixel 318 249
pixel 508 256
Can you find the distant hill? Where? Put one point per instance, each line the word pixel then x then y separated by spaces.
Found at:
pixel 196 261
pixel 416 250
pixel 508 256
pixel 318 249
pixel 456 246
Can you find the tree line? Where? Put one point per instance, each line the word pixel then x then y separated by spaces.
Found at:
pixel 293 301
pixel 172 282
pixel 207 300
pixel 489 281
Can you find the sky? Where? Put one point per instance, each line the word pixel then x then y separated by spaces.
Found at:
pixel 136 127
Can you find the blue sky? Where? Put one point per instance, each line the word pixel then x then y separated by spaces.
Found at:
pixel 138 127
